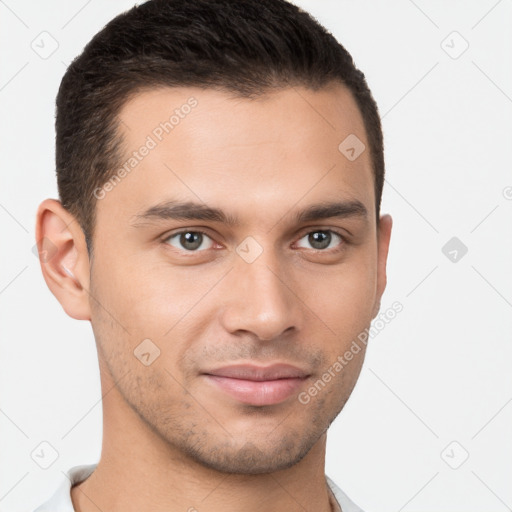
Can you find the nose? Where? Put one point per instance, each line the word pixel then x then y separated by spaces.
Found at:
pixel 260 299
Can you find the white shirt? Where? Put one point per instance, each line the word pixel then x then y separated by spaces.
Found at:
pixel 61 499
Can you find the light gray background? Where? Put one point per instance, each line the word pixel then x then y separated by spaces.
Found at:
pixel 438 373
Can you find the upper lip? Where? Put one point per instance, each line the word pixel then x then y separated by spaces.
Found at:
pixel 259 373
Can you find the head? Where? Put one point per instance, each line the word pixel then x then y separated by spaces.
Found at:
pixel 210 216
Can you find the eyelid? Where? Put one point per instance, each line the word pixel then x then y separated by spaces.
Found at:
pixel 313 229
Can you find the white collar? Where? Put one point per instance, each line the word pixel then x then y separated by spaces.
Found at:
pixel 61 499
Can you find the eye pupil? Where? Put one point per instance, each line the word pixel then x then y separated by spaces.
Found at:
pixel 320 239
pixel 191 240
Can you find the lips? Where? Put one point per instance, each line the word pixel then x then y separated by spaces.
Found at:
pixel 257 385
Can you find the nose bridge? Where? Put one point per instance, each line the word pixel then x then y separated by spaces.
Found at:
pixel 260 299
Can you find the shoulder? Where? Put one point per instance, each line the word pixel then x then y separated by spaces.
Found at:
pixel 60 500
pixel 346 504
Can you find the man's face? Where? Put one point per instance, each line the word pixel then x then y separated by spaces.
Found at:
pixel 250 308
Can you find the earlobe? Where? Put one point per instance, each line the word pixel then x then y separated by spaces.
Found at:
pixel 63 257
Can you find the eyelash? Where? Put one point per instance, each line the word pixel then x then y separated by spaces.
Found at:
pixel 334 250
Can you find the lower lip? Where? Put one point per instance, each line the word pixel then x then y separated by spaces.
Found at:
pixel 267 392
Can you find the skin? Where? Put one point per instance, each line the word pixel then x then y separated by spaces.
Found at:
pixel 171 440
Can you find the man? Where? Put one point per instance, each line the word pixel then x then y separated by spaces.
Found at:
pixel 220 170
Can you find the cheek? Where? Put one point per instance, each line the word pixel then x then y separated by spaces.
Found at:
pixel 155 301
pixel 135 289
pixel 343 297
pixel 126 301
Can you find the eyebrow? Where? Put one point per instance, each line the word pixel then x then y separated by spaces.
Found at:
pixel 189 210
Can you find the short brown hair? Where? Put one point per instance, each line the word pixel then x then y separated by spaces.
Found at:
pixel 247 47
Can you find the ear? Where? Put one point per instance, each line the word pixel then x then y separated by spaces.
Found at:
pixel 63 257
pixel 383 237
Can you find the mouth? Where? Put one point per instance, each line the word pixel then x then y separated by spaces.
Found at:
pixel 258 385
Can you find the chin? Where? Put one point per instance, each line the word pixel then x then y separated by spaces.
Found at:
pixel 252 458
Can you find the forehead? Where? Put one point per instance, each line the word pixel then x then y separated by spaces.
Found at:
pixel 284 147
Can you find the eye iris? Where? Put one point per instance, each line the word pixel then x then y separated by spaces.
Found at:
pixel 319 239
pixel 191 240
